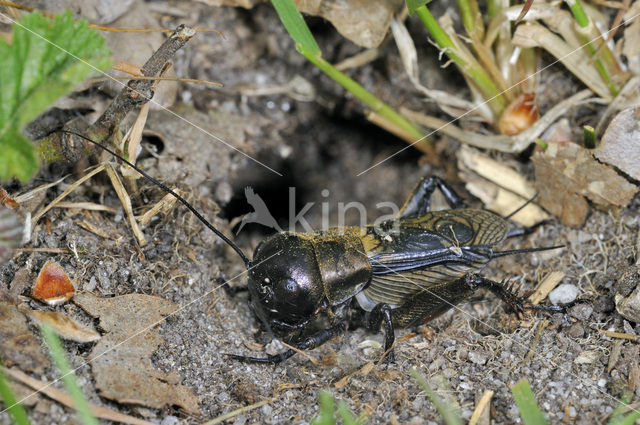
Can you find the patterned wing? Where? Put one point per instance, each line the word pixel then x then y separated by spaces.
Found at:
pixel 427 251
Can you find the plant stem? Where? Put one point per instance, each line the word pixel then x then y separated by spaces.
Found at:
pixel 471 17
pixel 493 8
pixel 468 65
pixel 588 32
pixel 361 93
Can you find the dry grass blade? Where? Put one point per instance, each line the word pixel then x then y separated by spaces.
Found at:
pixel 90 227
pixel 29 195
pixel 126 203
pixel 65 399
pixel 501 143
pixel 612 33
pixel 89 206
pixel 547 285
pixel 541 326
pixel 46 250
pixel 628 97
pixel 377 119
pixel 239 411
pixel 64 194
pixel 134 137
pixel 409 56
pixel 164 205
pixel 481 414
pixel 358 60
pixel 575 59
pixel 302 353
pixel 621 335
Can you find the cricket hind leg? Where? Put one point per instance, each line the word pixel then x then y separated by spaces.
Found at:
pixel 418 202
pixel 309 343
pixel 517 303
pixel 382 313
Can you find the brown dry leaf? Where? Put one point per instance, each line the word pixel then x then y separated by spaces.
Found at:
pixel 61 397
pixel 64 326
pixel 18 346
pixel 121 360
pixel 364 22
pixel 566 173
pixel 53 286
pixel 7 200
pixel 620 144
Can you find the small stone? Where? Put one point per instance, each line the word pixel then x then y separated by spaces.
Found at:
pixel 563 294
pixel 576 330
pixel 478 357
pixel 170 420
pixel 582 311
pixel 629 307
pixel 267 410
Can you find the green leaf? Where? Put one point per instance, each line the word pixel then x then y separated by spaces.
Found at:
pixel 412 5
pixel 45 60
pixel 15 409
pixel 68 377
pixel 18 157
pixel 527 404
pixel 296 26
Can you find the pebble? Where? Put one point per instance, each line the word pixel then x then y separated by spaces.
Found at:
pixel 170 420
pixel 563 294
pixel 478 357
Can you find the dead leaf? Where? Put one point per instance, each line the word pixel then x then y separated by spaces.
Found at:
pixel 7 200
pixel 64 326
pixel 53 285
pixel 620 144
pixel 501 188
pixel 100 412
pixel 363 22
pixel 121 360
pixel 566 173
pixel 18 345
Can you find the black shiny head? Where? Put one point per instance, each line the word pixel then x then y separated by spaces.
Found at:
pixel 288 286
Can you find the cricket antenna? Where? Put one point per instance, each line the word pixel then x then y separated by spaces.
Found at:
pixel 524 250
pixel 530 200
pixel 195 212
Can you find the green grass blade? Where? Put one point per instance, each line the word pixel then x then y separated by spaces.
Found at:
pixel 327 408
pixel 412 5
pixel 527 404
pixel 295 25
pixel 448 413
pixel 307 46
pixel 618 418
pixel 15 410
pixel 68 377
pixel 346 415
pixel 630 419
